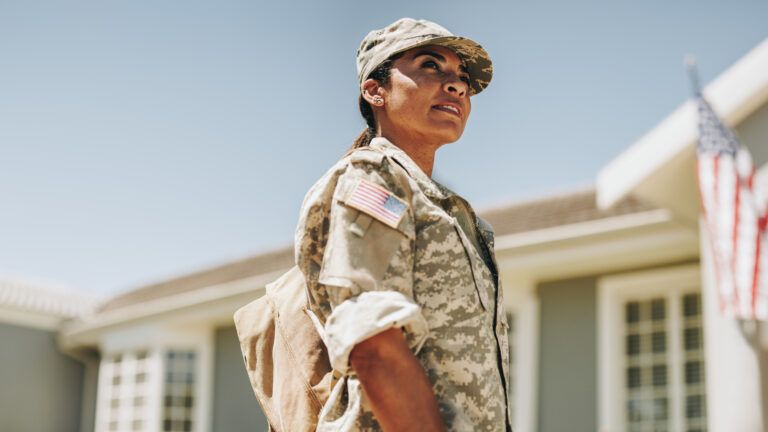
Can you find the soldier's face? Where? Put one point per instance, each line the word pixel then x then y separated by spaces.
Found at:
pixel 428 95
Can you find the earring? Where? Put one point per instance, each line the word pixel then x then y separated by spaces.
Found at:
pixel 378 100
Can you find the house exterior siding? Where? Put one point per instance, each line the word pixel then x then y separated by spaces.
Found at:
pixel 235 407
pixel 568 356
pixel 42 386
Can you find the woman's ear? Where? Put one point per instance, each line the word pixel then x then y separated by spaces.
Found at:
pixel 371 89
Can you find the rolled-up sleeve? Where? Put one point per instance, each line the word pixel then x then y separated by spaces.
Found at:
pixel 360 317
pixel 367 265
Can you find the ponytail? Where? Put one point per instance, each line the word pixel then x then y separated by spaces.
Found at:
pixel 381 74
pixel 369 132
pixel 364 139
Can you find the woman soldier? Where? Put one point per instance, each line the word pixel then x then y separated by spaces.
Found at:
pixel 399 269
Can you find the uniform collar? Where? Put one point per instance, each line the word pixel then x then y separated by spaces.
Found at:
pixel 430 187
pixel 435 191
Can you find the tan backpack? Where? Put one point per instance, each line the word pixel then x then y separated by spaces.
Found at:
pixel 285 357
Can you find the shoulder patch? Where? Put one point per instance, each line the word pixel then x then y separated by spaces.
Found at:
pixel 378 202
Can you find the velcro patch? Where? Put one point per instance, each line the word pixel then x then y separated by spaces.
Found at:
pixel 378 202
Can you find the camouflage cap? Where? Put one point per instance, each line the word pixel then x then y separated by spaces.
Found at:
pixel 407 33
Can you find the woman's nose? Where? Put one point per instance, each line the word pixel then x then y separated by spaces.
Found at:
pixel 456 86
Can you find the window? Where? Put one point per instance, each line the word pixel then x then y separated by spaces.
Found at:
pixel 647 380
pixel 148 391
pixel 123 391
pixel 651 352
pixel 179 396
pixel 693 364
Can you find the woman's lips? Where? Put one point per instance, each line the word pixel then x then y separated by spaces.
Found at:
pixel 449 109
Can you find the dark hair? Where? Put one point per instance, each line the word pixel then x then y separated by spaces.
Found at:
pixel 380 74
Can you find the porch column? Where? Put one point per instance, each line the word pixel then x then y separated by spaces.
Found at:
pixel 733 371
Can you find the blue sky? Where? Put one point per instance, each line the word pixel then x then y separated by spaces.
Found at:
pixel 140 140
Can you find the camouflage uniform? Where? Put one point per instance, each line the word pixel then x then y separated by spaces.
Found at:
pixel 433 274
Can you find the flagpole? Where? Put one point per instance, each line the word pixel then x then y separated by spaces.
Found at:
pixel 693 73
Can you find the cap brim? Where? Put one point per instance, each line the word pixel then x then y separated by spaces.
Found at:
pixel 476 59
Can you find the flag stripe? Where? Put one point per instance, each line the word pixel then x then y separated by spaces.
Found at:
pixel 373 189
pixel 756 276
pixel 374 199
pixel 373 204
pixel 734 243
pixel 369 191
pixel 725 301
pixel 702 173
pixel 368 201
pixel 375 208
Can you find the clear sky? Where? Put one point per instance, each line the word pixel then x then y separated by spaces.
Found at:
pixel 140 140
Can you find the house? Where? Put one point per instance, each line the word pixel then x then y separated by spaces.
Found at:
pixel 660 169
pixel 613 326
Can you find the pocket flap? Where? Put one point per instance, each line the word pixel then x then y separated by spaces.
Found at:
pixel 475 261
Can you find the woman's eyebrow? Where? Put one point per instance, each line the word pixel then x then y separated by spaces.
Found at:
pixel 439 57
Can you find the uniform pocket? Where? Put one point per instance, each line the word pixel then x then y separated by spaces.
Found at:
pixel 474 262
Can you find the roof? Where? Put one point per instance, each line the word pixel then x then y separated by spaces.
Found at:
pixel 42 298
pixel 267 262
pixel 557 210
pixel 522 216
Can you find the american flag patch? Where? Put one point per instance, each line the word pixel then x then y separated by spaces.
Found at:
pixel 378 202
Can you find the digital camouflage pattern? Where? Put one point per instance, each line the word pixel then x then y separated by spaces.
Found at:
pixel 440 256
pixel 408 33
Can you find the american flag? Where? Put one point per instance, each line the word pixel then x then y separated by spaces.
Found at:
pixel 735 217
pixel 378 202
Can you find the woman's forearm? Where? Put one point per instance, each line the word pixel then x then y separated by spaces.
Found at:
pixel 396 384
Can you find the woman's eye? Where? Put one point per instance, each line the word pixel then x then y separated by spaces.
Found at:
pixel 465 79
pixel 431 64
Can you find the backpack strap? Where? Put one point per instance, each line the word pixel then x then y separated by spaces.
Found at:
pixel 318 325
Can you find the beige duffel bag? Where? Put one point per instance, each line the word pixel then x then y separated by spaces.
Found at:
pixel 285 357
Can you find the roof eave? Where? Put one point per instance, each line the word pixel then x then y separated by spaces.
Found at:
pixel 86 331
pixel 649 238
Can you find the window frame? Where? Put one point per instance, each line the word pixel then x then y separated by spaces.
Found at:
pixel 106 390
pixel 196 395
pixel 157 341
pixel 614 291
pixel 521 301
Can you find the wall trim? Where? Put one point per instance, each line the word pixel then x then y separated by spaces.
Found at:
pixel 30 319
pixel 522 301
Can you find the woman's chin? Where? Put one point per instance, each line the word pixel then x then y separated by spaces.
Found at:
pixel 447 135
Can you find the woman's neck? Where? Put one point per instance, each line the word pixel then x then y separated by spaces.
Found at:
pixel 422 153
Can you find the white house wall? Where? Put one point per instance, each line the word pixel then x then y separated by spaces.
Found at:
pixel 753 132
pixel 735 390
